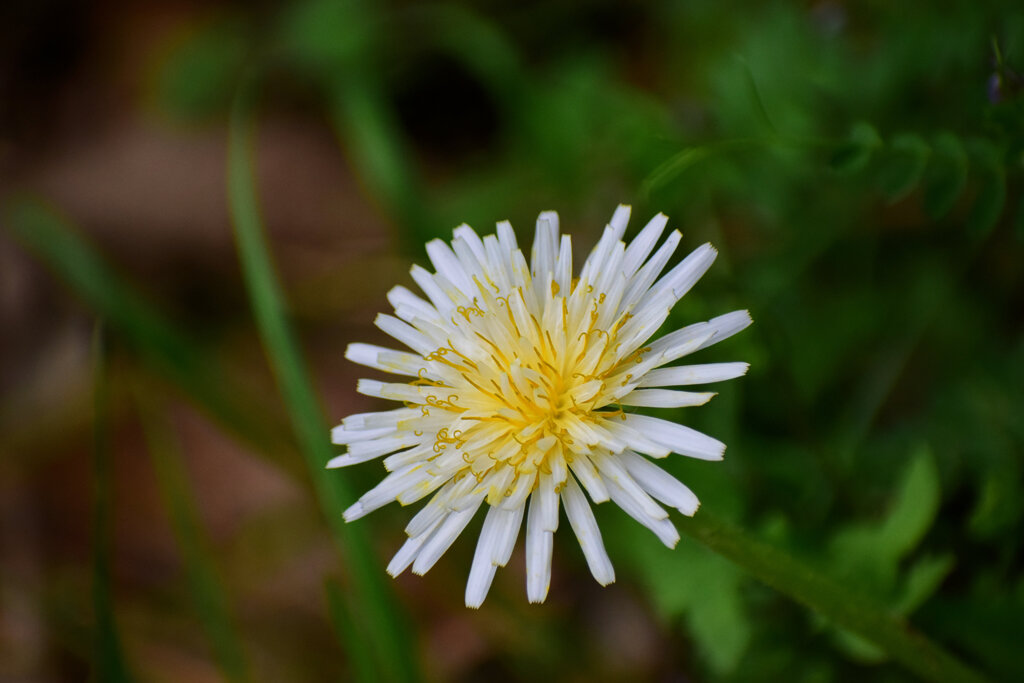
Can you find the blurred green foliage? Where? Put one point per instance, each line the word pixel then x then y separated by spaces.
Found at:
pixel 859 167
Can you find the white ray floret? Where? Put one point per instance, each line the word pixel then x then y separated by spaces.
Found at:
pixel 520 387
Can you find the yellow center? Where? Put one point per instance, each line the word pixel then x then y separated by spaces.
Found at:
pixel 526 394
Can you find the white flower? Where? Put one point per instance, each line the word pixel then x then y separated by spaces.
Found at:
pixel 521 375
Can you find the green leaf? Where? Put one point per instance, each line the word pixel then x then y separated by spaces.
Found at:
pixel 692 584
pixel 869 554
pixel 988 205
pixel 922 580
pixel 903 166
pixel 325 36
pixel 947 175
pixel 999 507
pixel 208 596
pixel 716 614
pixel 917 502
pixel 854 154
pixel 859 649
pixel 381 629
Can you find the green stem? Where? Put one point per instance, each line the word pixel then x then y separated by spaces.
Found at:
pixel 361 664
pixel 381 626
pixel 838 603
pixel 108 659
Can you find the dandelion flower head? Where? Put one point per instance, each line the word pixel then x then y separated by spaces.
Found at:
pixel 520 386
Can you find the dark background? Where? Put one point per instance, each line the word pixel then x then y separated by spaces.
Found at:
pixel 858 165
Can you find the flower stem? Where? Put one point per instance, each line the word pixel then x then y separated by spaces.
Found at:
pixel 841 604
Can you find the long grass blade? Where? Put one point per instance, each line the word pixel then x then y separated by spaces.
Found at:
pixel 208 596
pixel 108 659
pixel 380 624
pixel 361 661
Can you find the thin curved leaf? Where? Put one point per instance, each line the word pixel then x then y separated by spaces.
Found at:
pixel 991 198
pixel 947 176
pixel 854 154
pixel 903 166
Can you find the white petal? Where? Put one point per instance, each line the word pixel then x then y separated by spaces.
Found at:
pixel 394 391
pixel 647 274
pixel 660 483
pixel 413 455
pixel 581 518
pixel 620 219
pixel 507 237
pixel 679 438
pixel 684 375
pixel 664 398
pixel 547 503
pixel 481 575
pixel 521 489
pixel 610 271
pixel 642 245
pixel 539 544
pixel 386 418
pixel 497 264
pixel 613 472
pixel 433 290
pixel 588 476
pixel 636 439
pixel 405 333
pixel 481 572
pixel 346 459
pixel 676 344
pixel 443 538
pixel 596 262
pixel 545 245
pixel 364 354
pixel 342 435
pixel 507 523
pixel 367 450
pixel 563 267
pixel 389 488
pixel 685 275
pixel 447 264
pixel 428 515
pixel 467 236
pixel 400 297
pixel 421 488
pixel 662 528
pixel 410 549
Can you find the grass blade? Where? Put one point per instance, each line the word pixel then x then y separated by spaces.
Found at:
pixel 108 660
pixel 381 624
pixel 361 661
pixel 837 602
pixel 208 596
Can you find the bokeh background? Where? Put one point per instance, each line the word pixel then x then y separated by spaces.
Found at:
pixel 858 165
